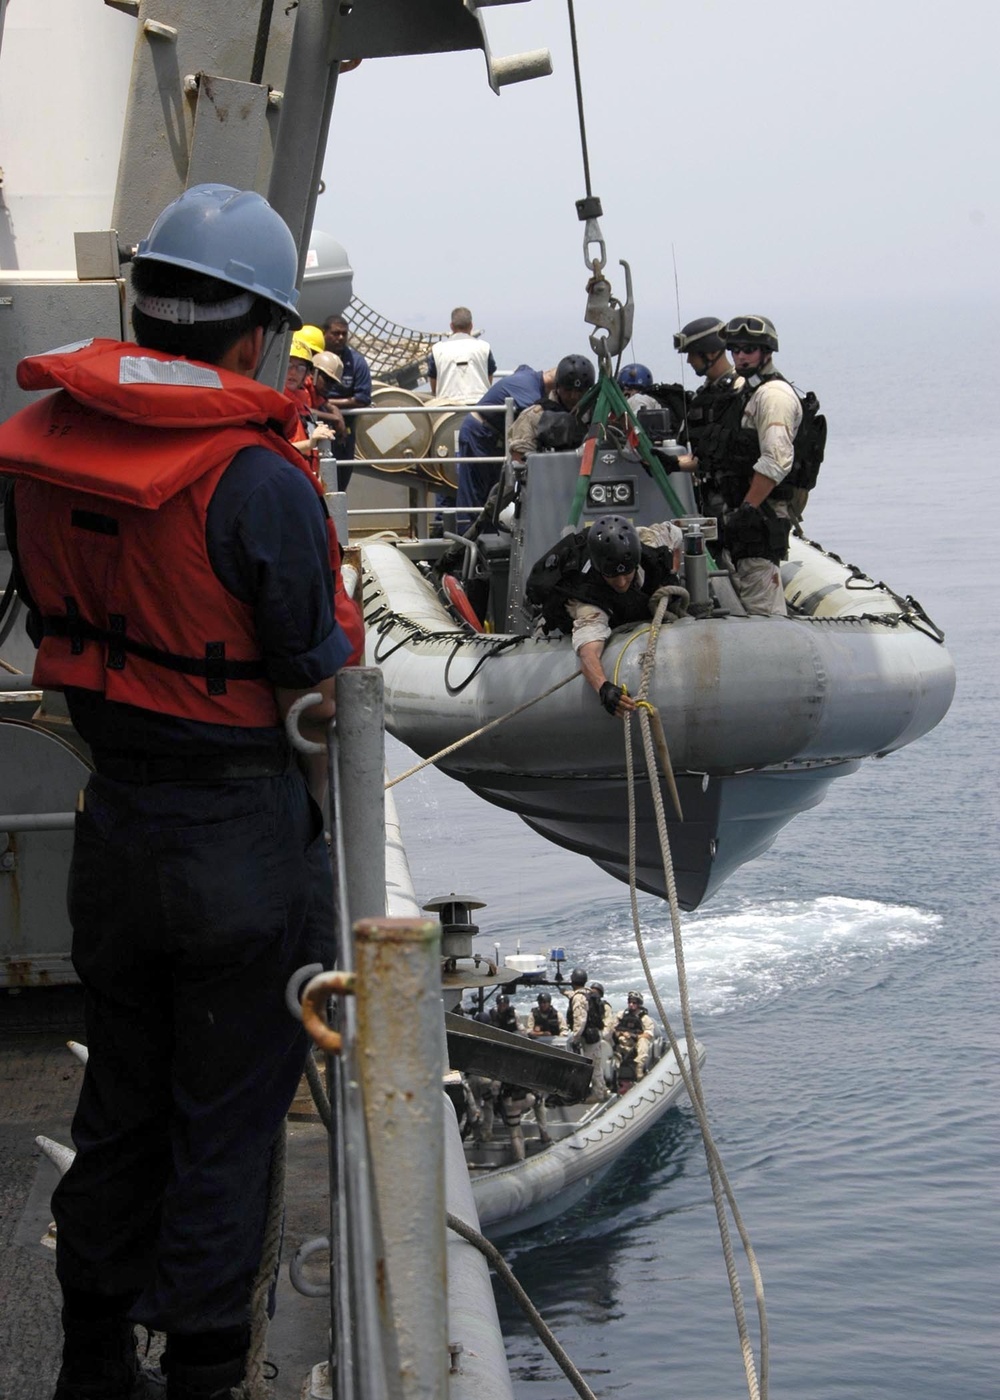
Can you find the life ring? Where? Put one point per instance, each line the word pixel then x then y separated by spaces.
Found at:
pixel 459 600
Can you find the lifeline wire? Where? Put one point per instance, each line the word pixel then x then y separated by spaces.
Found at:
pixel 691 1073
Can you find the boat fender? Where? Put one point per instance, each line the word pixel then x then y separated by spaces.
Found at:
pixel 459 600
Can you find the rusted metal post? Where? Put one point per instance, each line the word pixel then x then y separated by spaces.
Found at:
pixel 400 1066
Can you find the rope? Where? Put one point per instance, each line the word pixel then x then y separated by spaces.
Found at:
pixel 503 1269
pixel 691 1074
pixel 460 743
pixel 318 1091
pixel 254 1384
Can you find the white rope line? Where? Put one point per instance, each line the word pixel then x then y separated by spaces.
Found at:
pixel 691 1074
pixel 460 743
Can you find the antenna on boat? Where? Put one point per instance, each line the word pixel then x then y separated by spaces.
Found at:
pixel 677 302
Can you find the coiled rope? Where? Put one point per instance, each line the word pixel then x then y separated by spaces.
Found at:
pixel 721 1189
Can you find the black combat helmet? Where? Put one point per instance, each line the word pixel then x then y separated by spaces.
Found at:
pixel 575 372
pixel 578 977
pixel 635 997
pixel 702 336
pixel 613 545
pixel 544 999
pixel 598 988
pixel 756 331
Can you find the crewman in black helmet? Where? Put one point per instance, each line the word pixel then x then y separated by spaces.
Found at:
pixel 545 1019
pixel 584 1024
pixel 702 343
pixel 601 578
pixel 751 461
pixel 552 423
pixel 632 1037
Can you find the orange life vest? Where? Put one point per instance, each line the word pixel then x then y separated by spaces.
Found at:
pixel 118 469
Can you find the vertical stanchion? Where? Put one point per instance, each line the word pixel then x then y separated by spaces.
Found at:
pixel 400 1065
pixel 361 1352
pixel 361 764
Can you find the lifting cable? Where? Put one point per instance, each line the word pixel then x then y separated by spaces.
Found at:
pixel 690 1073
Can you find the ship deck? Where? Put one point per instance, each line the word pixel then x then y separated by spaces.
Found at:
pixel 39 1082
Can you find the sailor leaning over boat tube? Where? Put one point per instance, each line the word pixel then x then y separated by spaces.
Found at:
pixel 601 578
pixel 175 554
pixel 745 454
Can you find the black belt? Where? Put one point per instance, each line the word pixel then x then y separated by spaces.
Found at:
pixel 212 768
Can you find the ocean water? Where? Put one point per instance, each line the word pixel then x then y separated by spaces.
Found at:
pixel 844 986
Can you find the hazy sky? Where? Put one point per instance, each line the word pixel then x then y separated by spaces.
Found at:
pixel 788 155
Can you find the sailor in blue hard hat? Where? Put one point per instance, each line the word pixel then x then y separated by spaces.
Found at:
pixel 178 560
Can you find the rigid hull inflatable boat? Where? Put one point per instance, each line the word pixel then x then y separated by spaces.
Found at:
pixel 759 714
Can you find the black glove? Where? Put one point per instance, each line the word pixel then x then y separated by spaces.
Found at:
pixel 745 514
pixel 744 526
pixel 611 695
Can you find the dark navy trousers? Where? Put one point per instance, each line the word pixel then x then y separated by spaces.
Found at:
pixel 191 906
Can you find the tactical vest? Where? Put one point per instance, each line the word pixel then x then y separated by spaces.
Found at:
pixel 506 1018
pixel 546 1019
pixel 629 1023
pixel 562 574
pixel 559 429
pixel 727 452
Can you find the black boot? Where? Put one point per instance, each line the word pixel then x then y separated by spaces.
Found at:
pixel 99 1361
pixel 214 1382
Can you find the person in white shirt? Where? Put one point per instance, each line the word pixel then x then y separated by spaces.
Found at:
pixel 461 367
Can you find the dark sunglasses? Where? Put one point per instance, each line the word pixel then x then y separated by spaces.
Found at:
pixel 743 349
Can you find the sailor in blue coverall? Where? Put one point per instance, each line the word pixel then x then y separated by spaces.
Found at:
pixel 482 435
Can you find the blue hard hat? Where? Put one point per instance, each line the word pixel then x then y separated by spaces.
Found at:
pixel 233 235
pixel 635 377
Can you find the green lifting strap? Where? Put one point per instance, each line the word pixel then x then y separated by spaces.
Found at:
pixel 607 399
